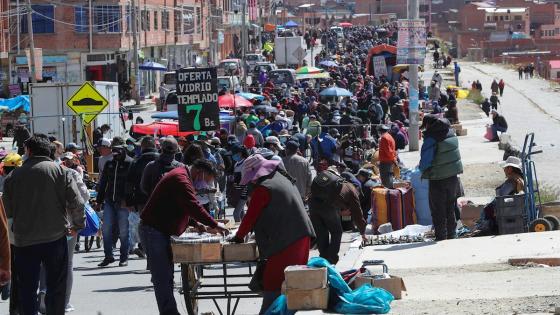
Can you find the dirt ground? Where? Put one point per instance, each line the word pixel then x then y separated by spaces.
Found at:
pixel 480 180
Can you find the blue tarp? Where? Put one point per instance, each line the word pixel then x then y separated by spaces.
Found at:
pixel 16 102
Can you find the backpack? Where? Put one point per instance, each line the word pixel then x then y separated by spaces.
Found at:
pixel 326 187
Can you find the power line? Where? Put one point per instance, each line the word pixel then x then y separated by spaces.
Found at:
pixel 79 25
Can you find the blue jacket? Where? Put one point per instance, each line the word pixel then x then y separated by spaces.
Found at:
pixel 328 146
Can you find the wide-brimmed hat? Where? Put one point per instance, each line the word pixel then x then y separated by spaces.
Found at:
pixel 256 166
pixel 512 161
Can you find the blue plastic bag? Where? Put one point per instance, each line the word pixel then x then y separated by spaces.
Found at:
pixel 279 307
pixel 421 196
pixel 364 300
pixel 92 222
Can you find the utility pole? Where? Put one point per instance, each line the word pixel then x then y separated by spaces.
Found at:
pixel 244 41
pixel 31 42
pixel 90 14
pixel 134 25
pixel 18 27
pixel 414 129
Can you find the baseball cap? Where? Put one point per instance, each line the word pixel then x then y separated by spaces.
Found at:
pixel 13 160
pixel 104 142
pixel 169 145
pixel 68 156
pixel 292 144
pixel 274 140
pixel 72 146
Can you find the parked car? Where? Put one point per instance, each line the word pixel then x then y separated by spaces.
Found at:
pixel 280 76
pixel 229 67
pixel 231 83
pixel 253 59
pixel 170 102
pixel 266 66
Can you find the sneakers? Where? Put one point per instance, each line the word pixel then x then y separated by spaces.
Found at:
pixel 106 262
pixel 69 308
pixel 140 253
pixel 123 263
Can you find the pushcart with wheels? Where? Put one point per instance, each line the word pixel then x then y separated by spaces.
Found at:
pixel 217 281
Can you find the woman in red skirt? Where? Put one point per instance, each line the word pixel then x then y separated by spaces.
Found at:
pixel 276 213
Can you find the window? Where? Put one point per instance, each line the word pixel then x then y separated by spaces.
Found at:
pixel 199 21
pixel 518 17
pixel 107 19
pixel 81 19
pixel 145 15
pixel 42 19
pixel 487 19
pixel 188 20
pixel 156 13
pixel 177 21
pixel 501 17
pixel 165 20
pixel 507 17
pixel 495 18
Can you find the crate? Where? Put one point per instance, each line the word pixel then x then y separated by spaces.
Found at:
pixel 511 224
pixel 509 206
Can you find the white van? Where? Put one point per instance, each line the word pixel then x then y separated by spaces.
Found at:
pixel 338 30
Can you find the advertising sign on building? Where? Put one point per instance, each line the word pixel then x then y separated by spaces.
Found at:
pixel 411 43
pixel 379 66
pixel 197 96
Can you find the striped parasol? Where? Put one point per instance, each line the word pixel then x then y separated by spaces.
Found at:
pixel 308 70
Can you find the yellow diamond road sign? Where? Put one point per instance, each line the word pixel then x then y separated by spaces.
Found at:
pixel 87 102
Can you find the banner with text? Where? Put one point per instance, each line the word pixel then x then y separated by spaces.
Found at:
pixel 379 66
pixel 411 43
pixel 197 96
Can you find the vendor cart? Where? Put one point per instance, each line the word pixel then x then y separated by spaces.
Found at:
pixel 214 271
pixel 217 281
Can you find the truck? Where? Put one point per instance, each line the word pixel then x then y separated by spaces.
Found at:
pixel 51 116
pixel 289 51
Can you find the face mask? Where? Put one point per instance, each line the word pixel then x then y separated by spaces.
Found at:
pixel 236 157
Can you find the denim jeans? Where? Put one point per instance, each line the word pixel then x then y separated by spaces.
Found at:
pixel 113 214
pixel 158 250
pixel 495 130
pixel 239 211
pixel 133 222
pixel 28 259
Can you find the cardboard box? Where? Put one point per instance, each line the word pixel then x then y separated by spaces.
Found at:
pixel 395 285
pixel 457 127
pixel 196 253
pixel 240 252
pixel 305 278
pixel 314 299
pixel 470 213
pixel 462 132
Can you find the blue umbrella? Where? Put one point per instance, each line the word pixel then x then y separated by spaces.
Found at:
pixel 328 63
pixel 336 91
pixel 152 66
pixel 291 24
pixel 250 96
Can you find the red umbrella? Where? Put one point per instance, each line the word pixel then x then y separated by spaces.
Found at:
pixel 344 24
pixel 229 101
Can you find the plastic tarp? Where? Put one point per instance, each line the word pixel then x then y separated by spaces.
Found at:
pixel 14 103
pixel 421 197
pixel 364 300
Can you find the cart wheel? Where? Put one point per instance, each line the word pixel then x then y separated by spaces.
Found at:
pixel 190 275
pixel 540 225
pixel 554 222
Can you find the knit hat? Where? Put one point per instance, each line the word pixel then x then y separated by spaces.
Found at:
pixel 13 160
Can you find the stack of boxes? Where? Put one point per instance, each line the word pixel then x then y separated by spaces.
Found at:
pixel 459 130
pixel 306 288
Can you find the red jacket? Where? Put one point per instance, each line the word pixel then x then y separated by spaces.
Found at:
pixel 173 203
pixel 387 149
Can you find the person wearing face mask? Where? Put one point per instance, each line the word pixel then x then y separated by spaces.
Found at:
pixel 111 193
pixel 203 175
pixel 276 213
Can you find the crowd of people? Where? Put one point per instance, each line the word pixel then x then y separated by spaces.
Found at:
pixel 150 189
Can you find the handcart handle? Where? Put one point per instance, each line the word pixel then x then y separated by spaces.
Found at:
pixel 366 263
